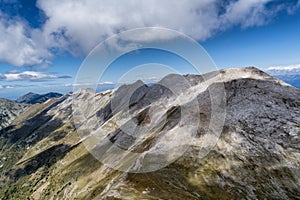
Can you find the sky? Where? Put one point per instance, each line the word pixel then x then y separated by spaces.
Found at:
pixel 43 43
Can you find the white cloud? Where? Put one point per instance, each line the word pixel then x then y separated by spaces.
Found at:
pixel 9 87
pixel 19 44
pixel 6 87
pixel 28 76
pixel 88 84
pixel 77 26
pixel 247 13
pixel 284 70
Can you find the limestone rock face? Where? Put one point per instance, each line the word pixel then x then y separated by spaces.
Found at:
pixel 8 111
pixel 89 145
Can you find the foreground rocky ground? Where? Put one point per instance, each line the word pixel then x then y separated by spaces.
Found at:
pixel 257 156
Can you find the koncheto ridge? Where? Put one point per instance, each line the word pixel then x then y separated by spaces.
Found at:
pixel 257 155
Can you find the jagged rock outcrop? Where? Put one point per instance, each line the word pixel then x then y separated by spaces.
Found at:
pixel 9 110
pixel 257 156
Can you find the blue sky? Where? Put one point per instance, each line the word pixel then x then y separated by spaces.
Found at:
pixel 43 43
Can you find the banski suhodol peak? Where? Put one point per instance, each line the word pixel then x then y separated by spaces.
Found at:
pixel 149 100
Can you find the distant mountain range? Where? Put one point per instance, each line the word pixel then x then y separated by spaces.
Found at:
pixel 32 98
pixel 256 156
pixel 290 74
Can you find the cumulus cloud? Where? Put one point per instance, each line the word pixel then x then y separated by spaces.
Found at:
pixel 77 26
pixel 29 76
pixel 19 44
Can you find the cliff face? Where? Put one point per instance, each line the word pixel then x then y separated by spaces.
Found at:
pixel 45 153
pixel 9 110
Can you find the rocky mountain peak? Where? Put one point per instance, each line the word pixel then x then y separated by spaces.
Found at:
pixel 91 148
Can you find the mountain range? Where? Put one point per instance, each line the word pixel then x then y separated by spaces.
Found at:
pixel 32 98
pixel 87 145
pixel 290 74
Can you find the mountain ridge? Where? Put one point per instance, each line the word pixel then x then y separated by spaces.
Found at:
pixel 255 157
